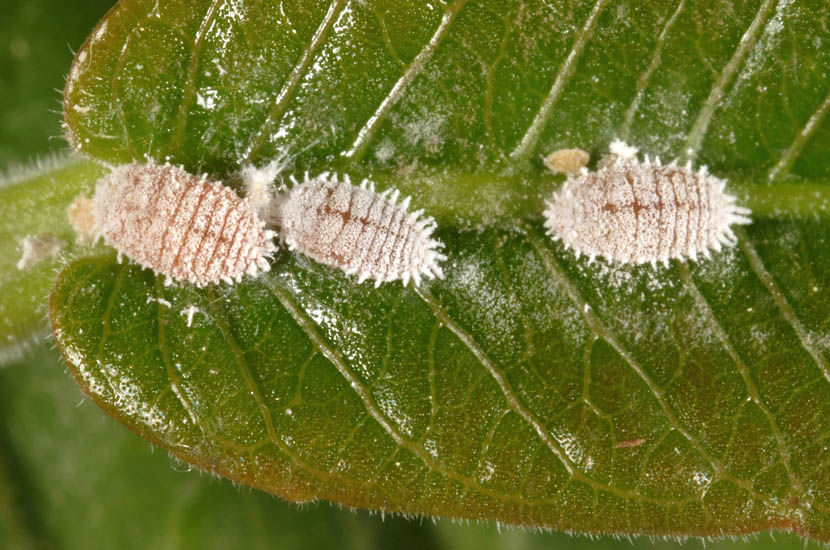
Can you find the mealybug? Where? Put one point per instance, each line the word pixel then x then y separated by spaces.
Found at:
pixel 636 212
pixel 567 161
pixel 358 230
pixel 180 225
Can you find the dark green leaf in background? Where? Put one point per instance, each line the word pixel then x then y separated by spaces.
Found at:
pixel 37 38
pixel 528 387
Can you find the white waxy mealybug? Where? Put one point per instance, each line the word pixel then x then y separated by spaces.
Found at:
pixel 180 225
pixel 359 230
pixel 636 212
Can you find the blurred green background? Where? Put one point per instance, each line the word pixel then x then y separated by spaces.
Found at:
pixel 70 477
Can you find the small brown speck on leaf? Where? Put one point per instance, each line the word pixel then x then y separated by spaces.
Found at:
pixel 630 443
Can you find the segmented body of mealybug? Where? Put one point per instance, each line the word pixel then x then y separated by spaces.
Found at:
pixel 637 212
pixel 180 225
pixel 358 230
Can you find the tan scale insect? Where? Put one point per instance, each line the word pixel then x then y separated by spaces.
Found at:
pixel 358 230
pixel 177 224
pixel 567 161
pixel 643 212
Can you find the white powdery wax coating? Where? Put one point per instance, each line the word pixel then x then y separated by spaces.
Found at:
pixel 180 225
pixel 358 230
pixel 638 212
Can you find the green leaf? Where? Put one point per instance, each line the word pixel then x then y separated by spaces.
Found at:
pixel 528 386
pixel 33 203
pixel 66 472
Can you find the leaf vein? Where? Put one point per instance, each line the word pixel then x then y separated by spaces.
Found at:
pixel 488 439
pixel 189 90
pixel 412 70
pixel 785 163
pixel 596 325
pixel 116 92
pixel 534 131
pixel 704 117
pixel 105 319
pixel 287 91
pixel 780 300
pixel 743 370
pixel 642 81
pixel 172 375
pixel 364 394
pixel 283 447
pixel 515 405
pixel 282 295
pixel 497 374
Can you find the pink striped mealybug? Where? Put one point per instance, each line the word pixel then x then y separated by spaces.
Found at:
pixel 358 230
pixel 637 212
pixel 180 225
